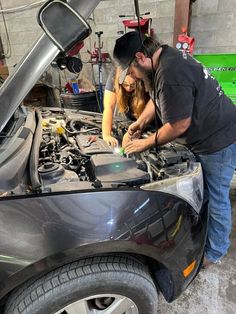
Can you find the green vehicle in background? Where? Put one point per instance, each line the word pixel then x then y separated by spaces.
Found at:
pixel 223 68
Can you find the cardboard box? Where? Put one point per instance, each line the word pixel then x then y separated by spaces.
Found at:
pixel 4 71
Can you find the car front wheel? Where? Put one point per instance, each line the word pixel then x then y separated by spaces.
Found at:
pixel 97 285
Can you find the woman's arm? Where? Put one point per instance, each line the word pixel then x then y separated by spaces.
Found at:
pixel 107 118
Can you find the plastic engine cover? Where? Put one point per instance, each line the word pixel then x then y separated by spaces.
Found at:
pixel 116 169
pixel 97 147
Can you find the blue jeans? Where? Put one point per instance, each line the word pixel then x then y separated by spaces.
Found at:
pixel 218 171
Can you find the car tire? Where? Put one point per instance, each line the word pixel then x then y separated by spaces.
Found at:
pixel 85 101
pixel 97 282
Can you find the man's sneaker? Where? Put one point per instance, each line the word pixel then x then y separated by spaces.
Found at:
pixel 206 263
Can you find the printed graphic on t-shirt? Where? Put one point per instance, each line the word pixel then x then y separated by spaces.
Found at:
pixel 185 88
pixel 207 74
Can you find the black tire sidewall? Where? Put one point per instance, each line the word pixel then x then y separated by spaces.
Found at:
pixel 137 288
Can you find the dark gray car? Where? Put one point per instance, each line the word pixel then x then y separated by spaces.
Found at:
pixel 84 228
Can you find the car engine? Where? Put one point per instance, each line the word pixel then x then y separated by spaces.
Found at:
pixel 72 151
pixel 55 149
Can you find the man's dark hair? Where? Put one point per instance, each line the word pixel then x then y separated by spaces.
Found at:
pixel 150 46
pixel 127 45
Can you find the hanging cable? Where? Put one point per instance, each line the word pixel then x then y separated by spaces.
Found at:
pixel 155 105
pixel 21 8
pixel 137 12
pixel 14 10
pixel 8 52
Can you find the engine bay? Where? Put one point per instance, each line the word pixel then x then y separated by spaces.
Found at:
pixel 54 149
pixel 73 153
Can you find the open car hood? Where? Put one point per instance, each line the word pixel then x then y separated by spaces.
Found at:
pixel 32 66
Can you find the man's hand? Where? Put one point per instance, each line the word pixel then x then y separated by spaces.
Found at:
pixel 137 146
pixel 135 129
pixel 126 139
pixel 111 141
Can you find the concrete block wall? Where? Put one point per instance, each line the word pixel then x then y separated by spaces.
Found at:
pixel 213 25
pixel 106 18
pixel 22 29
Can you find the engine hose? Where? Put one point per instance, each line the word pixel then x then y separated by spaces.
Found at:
pixel 88 130
pixel 80 132
pixel 73 121
pixel 77 150
pixel 34 155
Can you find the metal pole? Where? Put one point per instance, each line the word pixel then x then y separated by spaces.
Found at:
pixel 182 18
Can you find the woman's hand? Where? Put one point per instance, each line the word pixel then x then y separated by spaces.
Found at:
pixel 110 140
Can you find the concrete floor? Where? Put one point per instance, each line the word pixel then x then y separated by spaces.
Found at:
pixel 214 290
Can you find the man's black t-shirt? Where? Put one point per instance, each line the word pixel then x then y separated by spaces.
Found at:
pixel 185 89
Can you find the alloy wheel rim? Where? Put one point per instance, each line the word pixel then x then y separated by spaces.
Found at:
pixel 101 304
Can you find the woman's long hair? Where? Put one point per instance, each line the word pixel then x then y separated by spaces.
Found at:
pixel 134 101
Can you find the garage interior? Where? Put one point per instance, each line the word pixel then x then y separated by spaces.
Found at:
pixel 212 26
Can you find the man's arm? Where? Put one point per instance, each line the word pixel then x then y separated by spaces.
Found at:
pixel 170 132
pixel 165 134
pixel 146 117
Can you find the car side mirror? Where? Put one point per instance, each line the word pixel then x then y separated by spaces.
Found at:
pixel 63 25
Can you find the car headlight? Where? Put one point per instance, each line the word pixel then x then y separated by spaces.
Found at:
pixel 188 186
